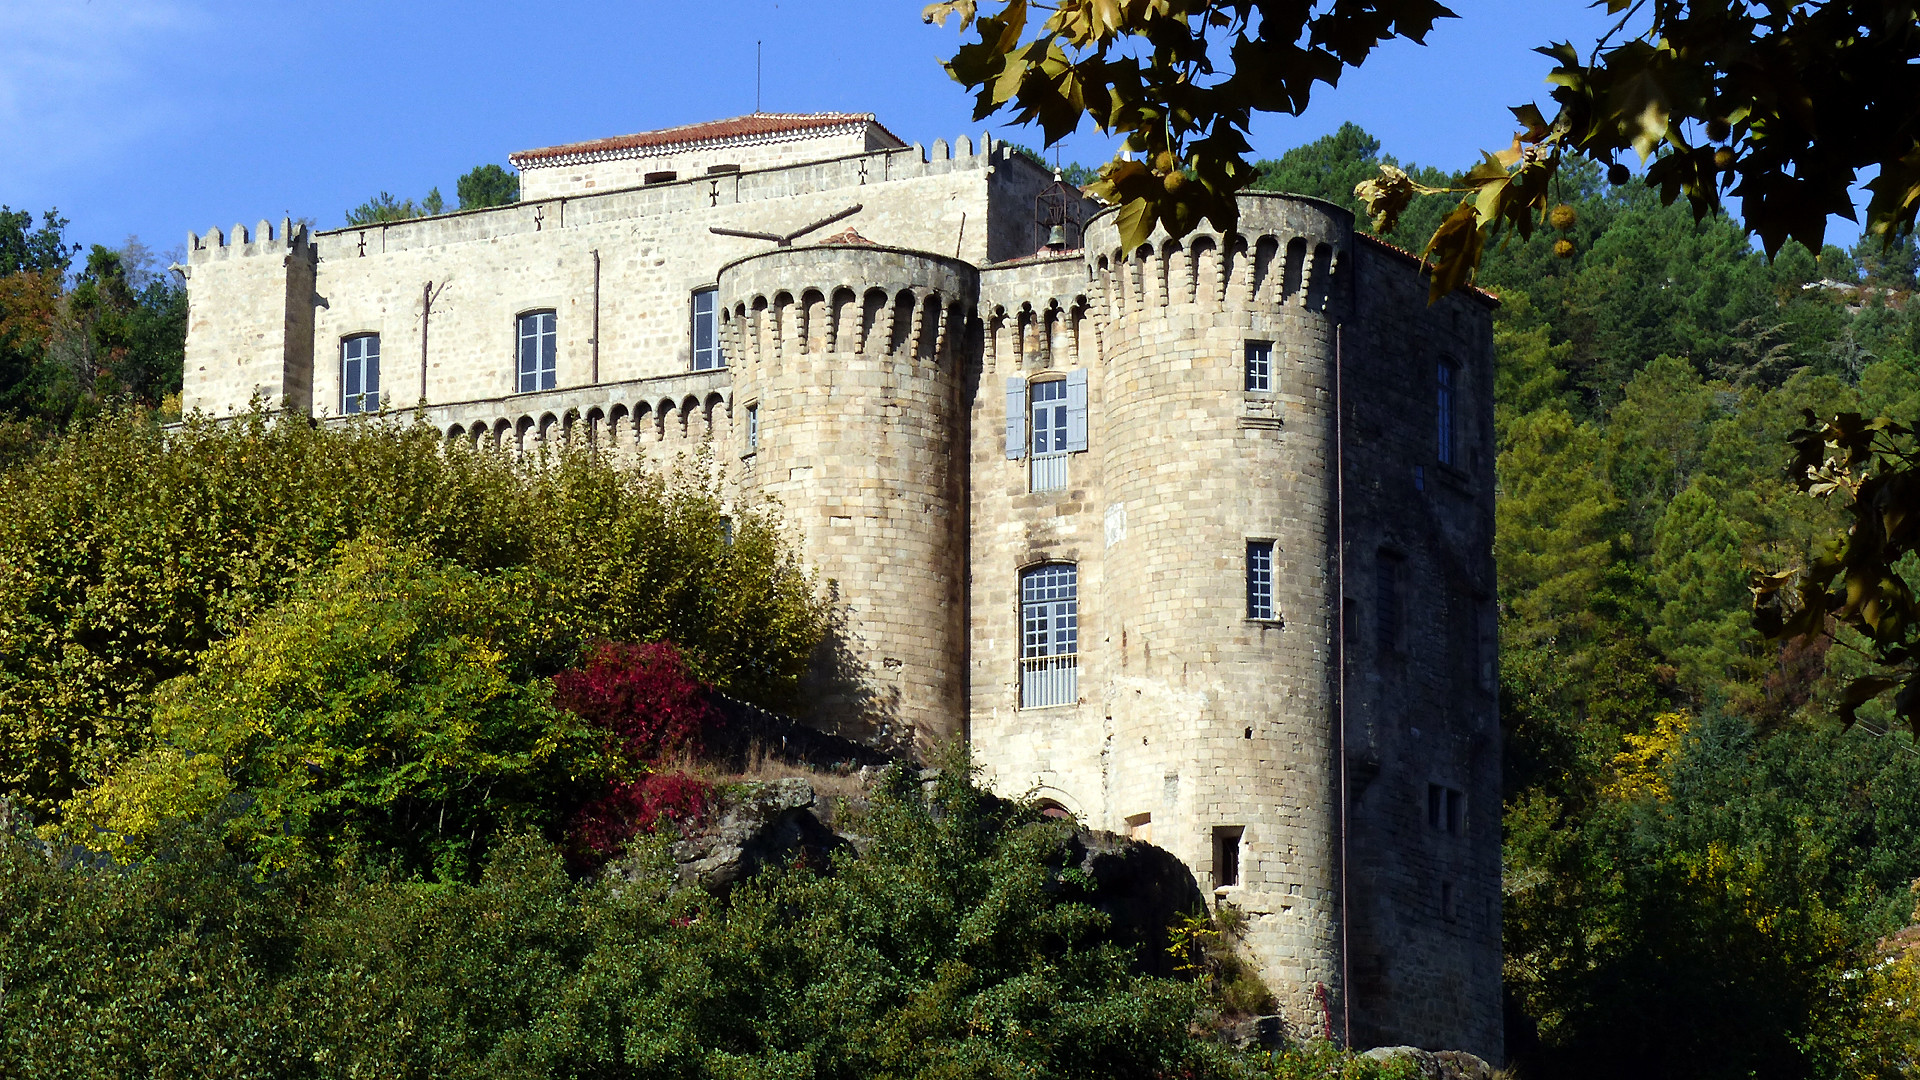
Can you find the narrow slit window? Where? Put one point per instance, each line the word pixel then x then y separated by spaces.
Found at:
pixel 1260 579
pixel 753 427
pixel 1386 603
pixel 1443 418
pixel 539 350
pixel 360 374
pixel 1259 366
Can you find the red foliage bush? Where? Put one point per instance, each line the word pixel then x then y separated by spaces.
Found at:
pixel 643 695
pixel 604 826
pixel 653 710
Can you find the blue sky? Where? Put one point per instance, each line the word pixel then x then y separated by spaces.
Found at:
pixel 155 117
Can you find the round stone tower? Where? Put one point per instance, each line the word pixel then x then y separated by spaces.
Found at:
pixel 847 410
pixel 1218 443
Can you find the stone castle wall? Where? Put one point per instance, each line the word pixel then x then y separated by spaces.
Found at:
pixel 540 180
pixel 848 360
pixel 471 274
pixel 867 393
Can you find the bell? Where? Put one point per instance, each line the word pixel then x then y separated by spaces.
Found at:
pixel 1057 238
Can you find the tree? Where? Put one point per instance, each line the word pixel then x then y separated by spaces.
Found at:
pixel 391 706
pixel 487 185
pixel 384 208
pixel 126 552
pixel 1781 105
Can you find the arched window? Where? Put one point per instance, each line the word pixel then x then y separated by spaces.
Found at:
pixel 1049 636
pixel 539 341
pixel 360 374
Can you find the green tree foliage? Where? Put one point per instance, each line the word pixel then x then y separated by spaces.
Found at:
pixel 478 188
pixel 1728 98
pixel 125 553
pixel 487 185
pixel 1685 897
pixel 384 207
pixel 118 334
pixel 957 943
pixel 392 705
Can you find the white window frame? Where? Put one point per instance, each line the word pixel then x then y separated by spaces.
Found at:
pixel 537 338
pixel 354 369
pixel 1259 367
pixel 1260 606
pixel 1047 451
pixel 1049 635
pixel 707 354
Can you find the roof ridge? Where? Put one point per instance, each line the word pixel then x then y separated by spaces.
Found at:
pixel 750 125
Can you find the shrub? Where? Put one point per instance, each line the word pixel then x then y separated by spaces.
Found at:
pixel 391 705
pixel 125 553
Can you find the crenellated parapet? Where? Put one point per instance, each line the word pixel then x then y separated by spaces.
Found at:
pixel 291 238
pixel 1286 252
pixel 848 364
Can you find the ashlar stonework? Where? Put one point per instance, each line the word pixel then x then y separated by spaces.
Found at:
pixel 1192 540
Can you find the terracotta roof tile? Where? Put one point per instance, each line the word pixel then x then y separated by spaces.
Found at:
pixel 685 135
pixel 850 236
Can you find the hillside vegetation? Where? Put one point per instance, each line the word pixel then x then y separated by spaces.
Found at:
pixel 1701 866
pixel 320 730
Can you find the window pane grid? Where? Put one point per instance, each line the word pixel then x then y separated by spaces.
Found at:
pixel 706 332
pixel 1049 636
pixel 1259 579
pixel 1259 366
pixel 538 351
pixel 360 374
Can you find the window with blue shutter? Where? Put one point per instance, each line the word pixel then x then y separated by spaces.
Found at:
pixel 1016 418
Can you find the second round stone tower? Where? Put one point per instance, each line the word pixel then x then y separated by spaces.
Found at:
pixel 847 368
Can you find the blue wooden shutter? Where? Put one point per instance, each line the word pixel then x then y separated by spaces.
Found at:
pixel 1077 410
pixel 1016 418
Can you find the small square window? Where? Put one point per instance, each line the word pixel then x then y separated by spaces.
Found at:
pixel 1140 827
pixel 1259 366
pixel 1226 855
pixel 1260 579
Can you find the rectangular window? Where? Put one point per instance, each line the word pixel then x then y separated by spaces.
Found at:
pixel 539 341
pixel 1260 366
pixel 1049 636
pixel 706 332
pixel 360 374
pixel 1260 579
pixel 1226 855
pixel 1446 809
pixel 753 427
pixel 1048 431
pixel 1386 603
pixel 1444 417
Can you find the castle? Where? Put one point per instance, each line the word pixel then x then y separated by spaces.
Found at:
pixel 1191 540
